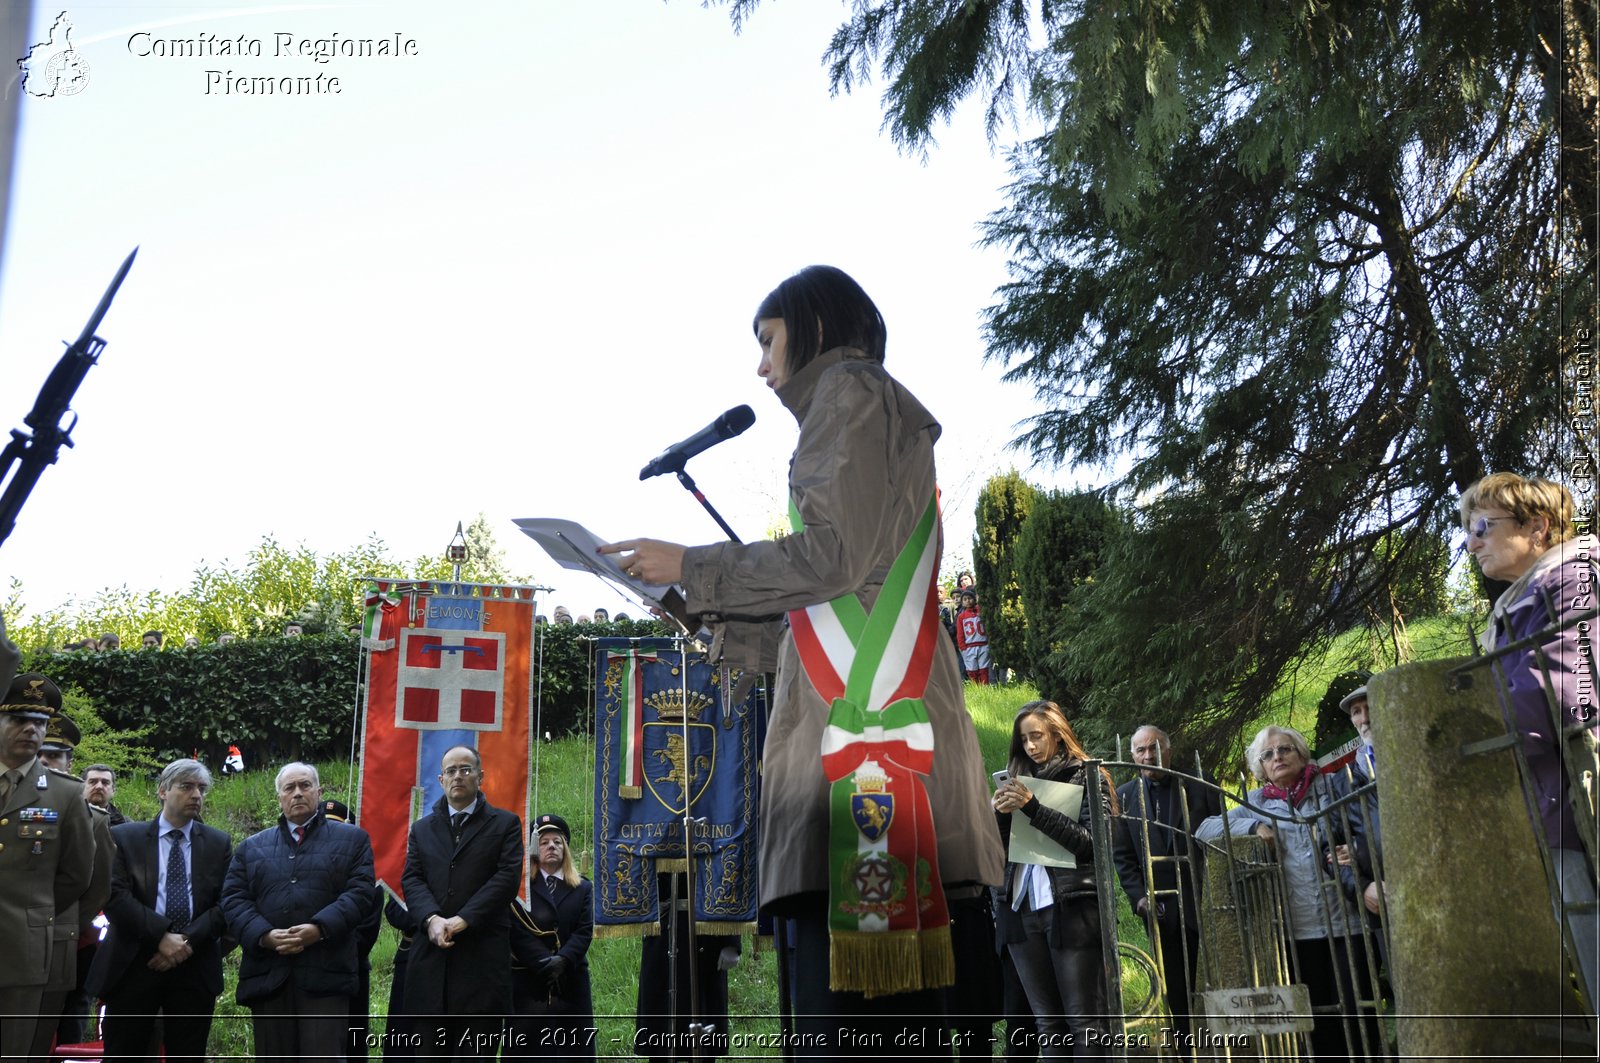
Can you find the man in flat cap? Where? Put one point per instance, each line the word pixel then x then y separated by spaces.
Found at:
pixel 1366 855
pixel 47 858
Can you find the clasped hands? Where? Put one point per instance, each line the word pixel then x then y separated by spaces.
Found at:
pixel 173 950
pixel 442 932
pixel 291 940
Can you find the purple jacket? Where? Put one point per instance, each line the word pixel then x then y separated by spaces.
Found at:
pixel 1567 573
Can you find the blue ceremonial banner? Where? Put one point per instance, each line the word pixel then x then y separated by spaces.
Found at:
pixel 667 737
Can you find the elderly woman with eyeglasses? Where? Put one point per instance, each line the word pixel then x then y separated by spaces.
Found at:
pixel 1294 813
pixel 1521 531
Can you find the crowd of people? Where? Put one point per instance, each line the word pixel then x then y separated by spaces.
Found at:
pixel 299 901
pixel 156 640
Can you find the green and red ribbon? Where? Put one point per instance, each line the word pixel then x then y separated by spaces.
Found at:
pixel 630 776
pixel 889 927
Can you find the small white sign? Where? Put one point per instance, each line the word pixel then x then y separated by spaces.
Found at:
pixel 1258 1011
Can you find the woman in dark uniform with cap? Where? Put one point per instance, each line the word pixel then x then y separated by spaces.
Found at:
pixel 550 938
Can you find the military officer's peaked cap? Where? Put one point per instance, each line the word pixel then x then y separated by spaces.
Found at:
pixel 60 735
pixel 33 697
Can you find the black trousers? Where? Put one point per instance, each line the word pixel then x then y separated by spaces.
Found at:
pixel 834 1025
pixel 292 1024
pixel 185 1014
pixel 1325 968
pixel 1066 983
pixel 1180 951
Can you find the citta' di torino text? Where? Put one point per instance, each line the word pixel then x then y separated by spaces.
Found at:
pixel 283 45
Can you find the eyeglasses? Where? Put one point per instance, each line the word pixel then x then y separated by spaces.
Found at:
pixel 459 769
pixel 1276 752
pixel 1480 529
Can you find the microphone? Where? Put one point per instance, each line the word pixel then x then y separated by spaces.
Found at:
pixel 673 458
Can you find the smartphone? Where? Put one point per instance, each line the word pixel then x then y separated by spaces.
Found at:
pixel 1000 777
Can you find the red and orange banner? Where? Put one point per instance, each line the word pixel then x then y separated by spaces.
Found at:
pixel 448 664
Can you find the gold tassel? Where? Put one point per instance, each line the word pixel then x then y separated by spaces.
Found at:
pixel 874 964
pixel 627 930
pixel 938 958
pixel 630 793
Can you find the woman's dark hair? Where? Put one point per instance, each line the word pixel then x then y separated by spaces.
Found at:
pixel 823 305
pixel 1055 721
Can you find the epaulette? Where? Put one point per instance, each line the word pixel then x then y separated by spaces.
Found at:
pixel 67 775
pixel 96 809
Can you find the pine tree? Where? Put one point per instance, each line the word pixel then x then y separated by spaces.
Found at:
pixel 1304 272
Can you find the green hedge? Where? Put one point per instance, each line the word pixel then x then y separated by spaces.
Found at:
pixel 279 698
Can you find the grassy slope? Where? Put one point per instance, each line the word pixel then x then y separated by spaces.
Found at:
pixel 242 804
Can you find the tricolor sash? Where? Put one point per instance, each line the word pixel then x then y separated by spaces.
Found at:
pixel 623 670
pixel 888 926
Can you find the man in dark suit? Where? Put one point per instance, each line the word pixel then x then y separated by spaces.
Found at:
pixel 1155 863
pixel 163 951
pixel 47 862
pixel 463 867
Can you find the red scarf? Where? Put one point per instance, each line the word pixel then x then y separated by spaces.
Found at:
pixel 1292 796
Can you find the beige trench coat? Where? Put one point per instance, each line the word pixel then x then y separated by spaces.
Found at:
pixel 861 475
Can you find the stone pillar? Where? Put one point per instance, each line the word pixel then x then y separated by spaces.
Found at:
pixel 1471 923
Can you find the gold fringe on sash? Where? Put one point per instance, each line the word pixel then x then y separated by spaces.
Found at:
pixel 899 961
pixel 938 958
pixel 627 930
pixel 630 793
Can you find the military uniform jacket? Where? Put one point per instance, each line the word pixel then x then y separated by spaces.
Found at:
pixel 543 930
pixel 47 862
pixel 475 880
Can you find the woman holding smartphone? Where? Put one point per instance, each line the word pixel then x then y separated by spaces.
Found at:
pixel 1051 915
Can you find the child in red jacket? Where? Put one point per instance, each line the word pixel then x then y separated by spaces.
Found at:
pixel 971 639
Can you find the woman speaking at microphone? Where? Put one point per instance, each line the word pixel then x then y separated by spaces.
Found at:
pixel 874 808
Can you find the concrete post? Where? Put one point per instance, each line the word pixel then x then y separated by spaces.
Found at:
pixel 1478 967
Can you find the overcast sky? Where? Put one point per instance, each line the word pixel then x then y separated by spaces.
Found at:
pixel 495 275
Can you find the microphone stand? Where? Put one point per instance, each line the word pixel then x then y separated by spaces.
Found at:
pixel 699 496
